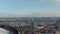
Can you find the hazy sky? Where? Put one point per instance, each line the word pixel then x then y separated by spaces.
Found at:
pixel 29 7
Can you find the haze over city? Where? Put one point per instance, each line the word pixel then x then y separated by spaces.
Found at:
pixel 30 16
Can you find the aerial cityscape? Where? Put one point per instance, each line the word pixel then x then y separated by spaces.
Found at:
pixel 29 16
pixel 36 25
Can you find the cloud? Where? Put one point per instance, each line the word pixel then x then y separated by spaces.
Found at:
pixel 46 14
pixel 50 14
pixel 42 0
pixel 56 2
pixel 14 14
pixel 35 14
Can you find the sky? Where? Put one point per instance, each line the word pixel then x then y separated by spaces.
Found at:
pixel 30 8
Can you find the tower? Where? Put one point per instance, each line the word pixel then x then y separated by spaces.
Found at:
pixel 32 25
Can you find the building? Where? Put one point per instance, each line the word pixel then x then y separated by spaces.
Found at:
pixel 58 32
